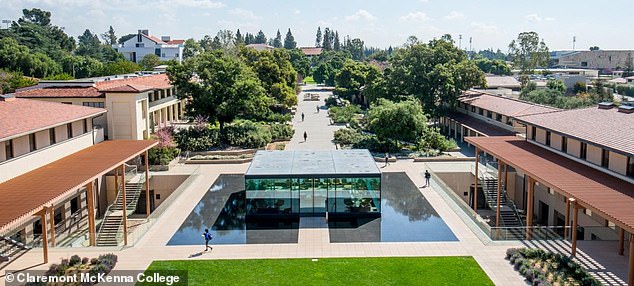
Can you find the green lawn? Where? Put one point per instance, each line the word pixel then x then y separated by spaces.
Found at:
pixel 309 80
pixel 332 271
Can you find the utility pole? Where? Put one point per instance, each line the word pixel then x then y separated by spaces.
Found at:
pixel 470 41
pixel 6 22
pixel 460 42
pixel 574 41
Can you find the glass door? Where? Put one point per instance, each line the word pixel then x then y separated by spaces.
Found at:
pixel 305 196
pixel 320 194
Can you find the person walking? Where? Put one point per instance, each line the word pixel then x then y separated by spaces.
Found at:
pixel 302 117
pixel 387 160
pixel 305 136
pixel 207 237
pixel 427 177
pixel 318 108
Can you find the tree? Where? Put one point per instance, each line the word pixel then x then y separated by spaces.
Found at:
pixel 277 42
pixel 556 85
pixel 404 121
pixel 109 37
pixel 260 38
pixel 239 38
pixel 327 44
pixel 192 48
pixel 318 38
pixel 355 48
pixel 328 65
pixel 35 31
pixel 35 16
pixel 275 72
pixel 594 48
pixel 19 58
pixel 300 62
pixel 528 52
pixel 352 77
pixel 336 45
pixel 149 61
pixel 435 73
pixel 125 38
pixel 120 67
pixel 580 87
pixel 89 45
pixel 289 41
pixel 496 67
pixel 10 81
pixel 81 67
pixel 249 39
pixel 224 89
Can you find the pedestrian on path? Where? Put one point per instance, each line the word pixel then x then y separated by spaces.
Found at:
pixel 302 117
pixel 427 177
pixel 387 159
pixel 207 237
pixel 318 108
pixel 305 136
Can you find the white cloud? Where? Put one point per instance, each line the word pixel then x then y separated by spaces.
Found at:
pixel 534 18
pixel 485 28
pixel 454 15
pixel 244 14
pixel 297 12
pixel 209 4
pixel 361 15
pixel 415 16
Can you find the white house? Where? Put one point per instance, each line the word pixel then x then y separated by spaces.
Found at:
pixel 144 44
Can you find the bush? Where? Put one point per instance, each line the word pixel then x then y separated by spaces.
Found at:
pixel 373 144
pixel 162 155
pixel 197 138
pixel 74 260
pixel 84 260
pixel 344 114
pixel 331 101
pixel 347 136
pixel 281 131
pixel 432 139
pixel 246 134
pixel 525 260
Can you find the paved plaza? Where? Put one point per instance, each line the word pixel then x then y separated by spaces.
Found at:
pixel 313 240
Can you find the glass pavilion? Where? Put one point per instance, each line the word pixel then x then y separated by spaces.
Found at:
pixel 313 183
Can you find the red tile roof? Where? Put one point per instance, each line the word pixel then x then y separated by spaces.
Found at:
pixel 503 105
pixel 128 88
pixel 593 189
pixel 176 42
pixel 154 39
pixel 480 126
pixel 605 127
pixel 158 81
pixel 311 51
pixel 65 92
pixel 21 116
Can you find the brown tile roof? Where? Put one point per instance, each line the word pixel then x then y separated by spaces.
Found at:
pixel 25 195
pixel 480 126
pixel 610 196
pixel 22 116
pixel 502 104
pixel 65 92
pixel 502 81
pixel 158 81
pixel 153 39
pixel 606 127
pixel 128 88
pixel 176 42
pixel 311 51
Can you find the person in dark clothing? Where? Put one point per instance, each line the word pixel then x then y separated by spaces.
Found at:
pixel 427 177
pixel 305 136
pixel 387 160
pixel 302 117
pixel 317 108
pixel 207 237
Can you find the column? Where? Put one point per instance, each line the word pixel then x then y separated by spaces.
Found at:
pixel 621 241
pixel 475 186
pixel 91 214
pixel 497 211
pixel 174 117
pixel 147 185
pixel 529 208
pixel 44 234
pixel 567 218
pixel 630 275
pixel 124 206
pixel 51 214
pixel 575 216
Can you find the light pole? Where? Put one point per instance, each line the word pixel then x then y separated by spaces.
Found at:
pixel 6 22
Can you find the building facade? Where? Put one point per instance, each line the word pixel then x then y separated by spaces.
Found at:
pixel 144 44
pixel 600 59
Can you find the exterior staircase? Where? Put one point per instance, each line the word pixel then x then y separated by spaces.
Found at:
pixel 10 249
pixel 509 217
pixel 110 230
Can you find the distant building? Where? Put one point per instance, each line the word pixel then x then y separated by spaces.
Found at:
pixel 601 60
pixel 144 44
pixel 590 73
pixel 260 47
pixel 311 51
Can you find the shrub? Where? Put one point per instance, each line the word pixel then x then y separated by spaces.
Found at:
pixel 84 260
pixel 331 101
pixel 94 261
pixel 347 136
pixel 344 114
pixel 372 143
pixel 246 134
pixel 281 131
pixel 432 139
pixel 74 260
pixel 162 155
pixel 197 138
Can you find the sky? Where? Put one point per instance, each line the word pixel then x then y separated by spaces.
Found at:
pixel 380 23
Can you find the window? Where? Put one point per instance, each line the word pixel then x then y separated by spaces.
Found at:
pixel 583 152
pixel 85 123
pixel 498 117
pixel 94 104
pixel 51 136
pixel 564 144
pixel 533 132
pixel 630 167
pixel 584 64
pixel 605 158
pixel 69 130
pixel 140 45
pixel 32 143
pixel 489 114
pixel 8 149
pixel 548 138
pixel 163 55
pixel 466 107
pixel 66 102
pixel 176 56
pixel 139 39
pixel 157 52
pixel 481 111
pixel 473 108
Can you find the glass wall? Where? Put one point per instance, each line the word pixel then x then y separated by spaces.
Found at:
pixel 278 196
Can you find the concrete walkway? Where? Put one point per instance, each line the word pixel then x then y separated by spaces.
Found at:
pixel 316 124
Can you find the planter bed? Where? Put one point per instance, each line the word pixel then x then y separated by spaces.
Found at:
pixel 546 268
pixel 219 161
pixel 224 152
pixel 443 159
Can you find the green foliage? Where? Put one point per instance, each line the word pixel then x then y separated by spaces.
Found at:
pixel 61 76
pixel 120 67
pixel 374 144
pixel 626 90
pixel 556 85
pixel 198 138
pixel 149 61
pixel 404 121
pixel 328 65
pixel 192 48
pixel 348 136
pixel 300 62
pixel 275 71
pixel 579 87
pixel 19 58
pixel 10 81
pixel 344 114
pixel 554 96
pixel 281 131
pixel 289 41
pixel 433 140
pixel 246 134
pixel 162 155
pixel 82 67
pixel 528 52
pixel 352 77
pixel 496 67
pixel 553 267
pixel 277 41
pixel 260 38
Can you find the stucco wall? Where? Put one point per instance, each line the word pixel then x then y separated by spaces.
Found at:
pixel 594 155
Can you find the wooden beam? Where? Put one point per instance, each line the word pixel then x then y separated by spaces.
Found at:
pixel 51 217
pixel 567 218
pixel 91 214
pixel 475 186
pixel 621 241
pixel 497 211
pixel 506 177
pixel 529 208
pixel 630 275
pixel 147 185
pixel 575 216
pixel 44 234
pixel 124 206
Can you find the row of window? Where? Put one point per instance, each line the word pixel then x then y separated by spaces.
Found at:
pixel 489 114
pixel 161 93
pixel 9 145
pixel 583 151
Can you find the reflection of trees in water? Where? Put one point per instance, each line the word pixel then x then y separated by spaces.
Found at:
pixel 229 212
pixel 400 193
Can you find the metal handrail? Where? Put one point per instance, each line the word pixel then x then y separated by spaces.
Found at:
pixel 119 194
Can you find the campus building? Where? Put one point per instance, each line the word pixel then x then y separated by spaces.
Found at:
pixel 144 44
pixel 58 178
pixel 607 60
pixel 137 104
pixel 313 183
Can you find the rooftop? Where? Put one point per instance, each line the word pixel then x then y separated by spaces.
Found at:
pixel 502 104
pixel 311 51
pixel 337 163
pixel 485 128
pixel 21 116
pixel 502 81
pixel 593 189
pixel 605 127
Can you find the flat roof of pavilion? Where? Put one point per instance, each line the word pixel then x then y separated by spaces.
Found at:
pixel 607 195
pixel 25 195
pixel 310 164
pixel 480 126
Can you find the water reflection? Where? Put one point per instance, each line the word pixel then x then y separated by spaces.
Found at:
pixel 406 216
